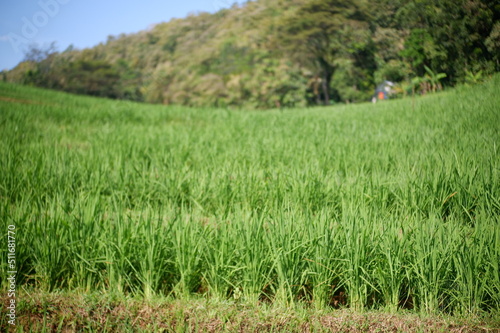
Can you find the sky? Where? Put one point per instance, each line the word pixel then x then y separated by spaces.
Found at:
pixel 84 23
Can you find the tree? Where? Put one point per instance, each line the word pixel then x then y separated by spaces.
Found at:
pixel 130 81
pixel 91 77
pixel 41 60
pixel 37 53
pixel 354 62
pixel 493 43
pixel 311 35
pixel 421 49
pixel 449 36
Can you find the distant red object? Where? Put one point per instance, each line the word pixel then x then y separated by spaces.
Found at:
pixel 383 91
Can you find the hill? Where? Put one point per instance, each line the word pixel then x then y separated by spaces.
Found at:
pixel 282 53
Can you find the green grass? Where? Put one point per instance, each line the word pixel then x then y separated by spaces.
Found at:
pixel 384 206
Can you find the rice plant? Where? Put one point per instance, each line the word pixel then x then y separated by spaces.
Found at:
pixel 365 206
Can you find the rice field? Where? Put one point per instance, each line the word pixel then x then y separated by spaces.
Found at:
pixel 388 206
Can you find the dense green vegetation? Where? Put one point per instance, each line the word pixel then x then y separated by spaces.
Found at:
pixel 387 206
pixel 283 53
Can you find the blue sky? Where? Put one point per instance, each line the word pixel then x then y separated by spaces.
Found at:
pixel 84 23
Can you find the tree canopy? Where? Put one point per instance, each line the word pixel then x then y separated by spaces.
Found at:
pixel 280 53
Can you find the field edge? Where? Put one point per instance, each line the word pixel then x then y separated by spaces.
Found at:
pixel 96 312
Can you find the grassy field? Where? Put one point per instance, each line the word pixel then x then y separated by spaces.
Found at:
pixel 392 207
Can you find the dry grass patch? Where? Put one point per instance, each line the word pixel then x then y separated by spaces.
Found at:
pixel 56 312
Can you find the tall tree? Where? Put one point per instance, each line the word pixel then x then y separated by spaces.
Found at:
pixel 311 34
pixel 449 35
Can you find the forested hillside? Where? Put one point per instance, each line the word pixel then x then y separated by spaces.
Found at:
pixel 280 53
